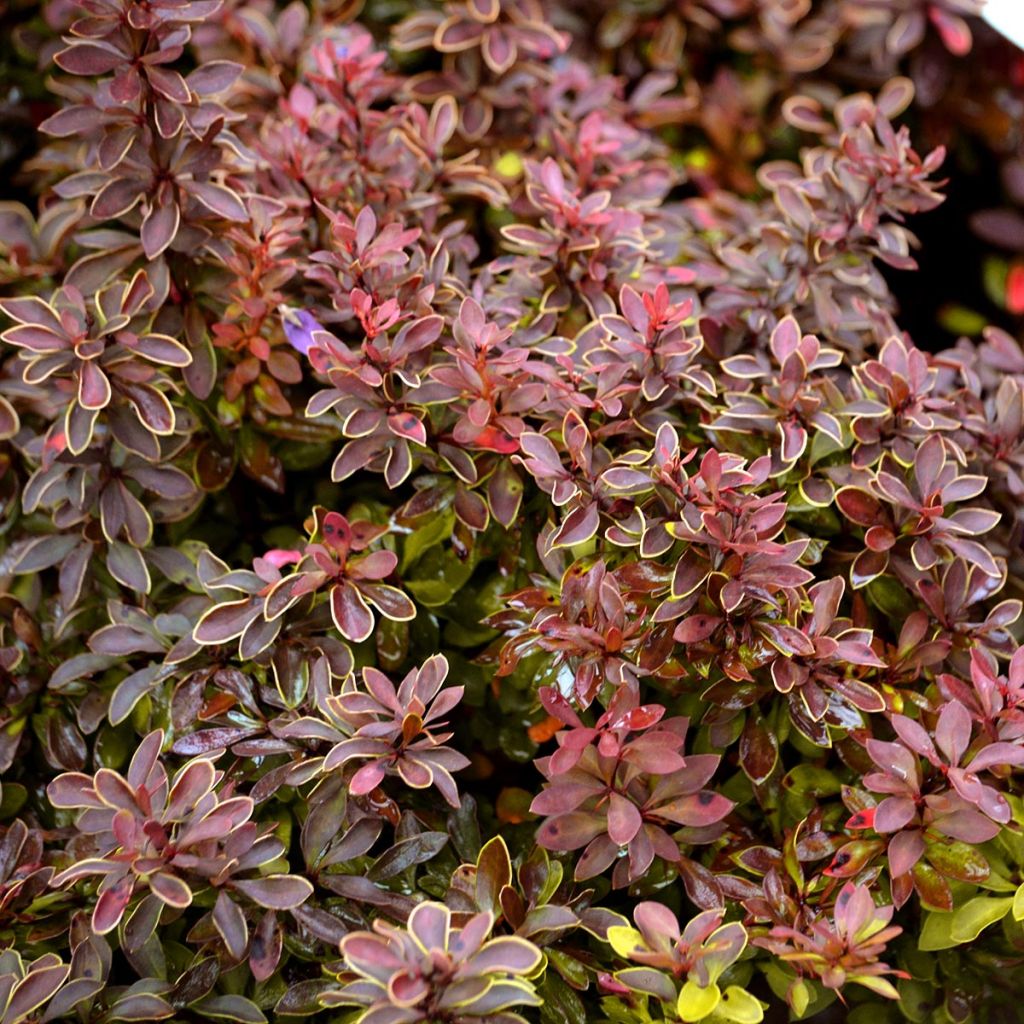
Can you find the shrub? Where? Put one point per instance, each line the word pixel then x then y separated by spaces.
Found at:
pixel 481 539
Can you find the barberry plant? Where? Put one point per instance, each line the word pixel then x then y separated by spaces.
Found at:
pixel 484 535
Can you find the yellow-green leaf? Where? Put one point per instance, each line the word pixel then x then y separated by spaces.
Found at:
pixel 799 997
pixel 970 920
pixel 625 940
pixel 936 932
pixel 695 1003
pixel 739 1006
pixel 880 986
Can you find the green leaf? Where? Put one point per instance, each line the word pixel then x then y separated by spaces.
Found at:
pixel 961 320
pixel 874 1012
pixel 430 593
pixel 993 276
pixel 561 1004
pixel 915 999
pixel 437 576
pixel 12 797
pixel 891 598
pixel 936 933
pixel 785 985
pixel 799 997
pixel 572 971
pixel 958 860
pixel 1018 904
pixel 809 780
pixel 970 920
pixel 434 530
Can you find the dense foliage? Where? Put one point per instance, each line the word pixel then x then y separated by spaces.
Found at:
pixel 479 539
